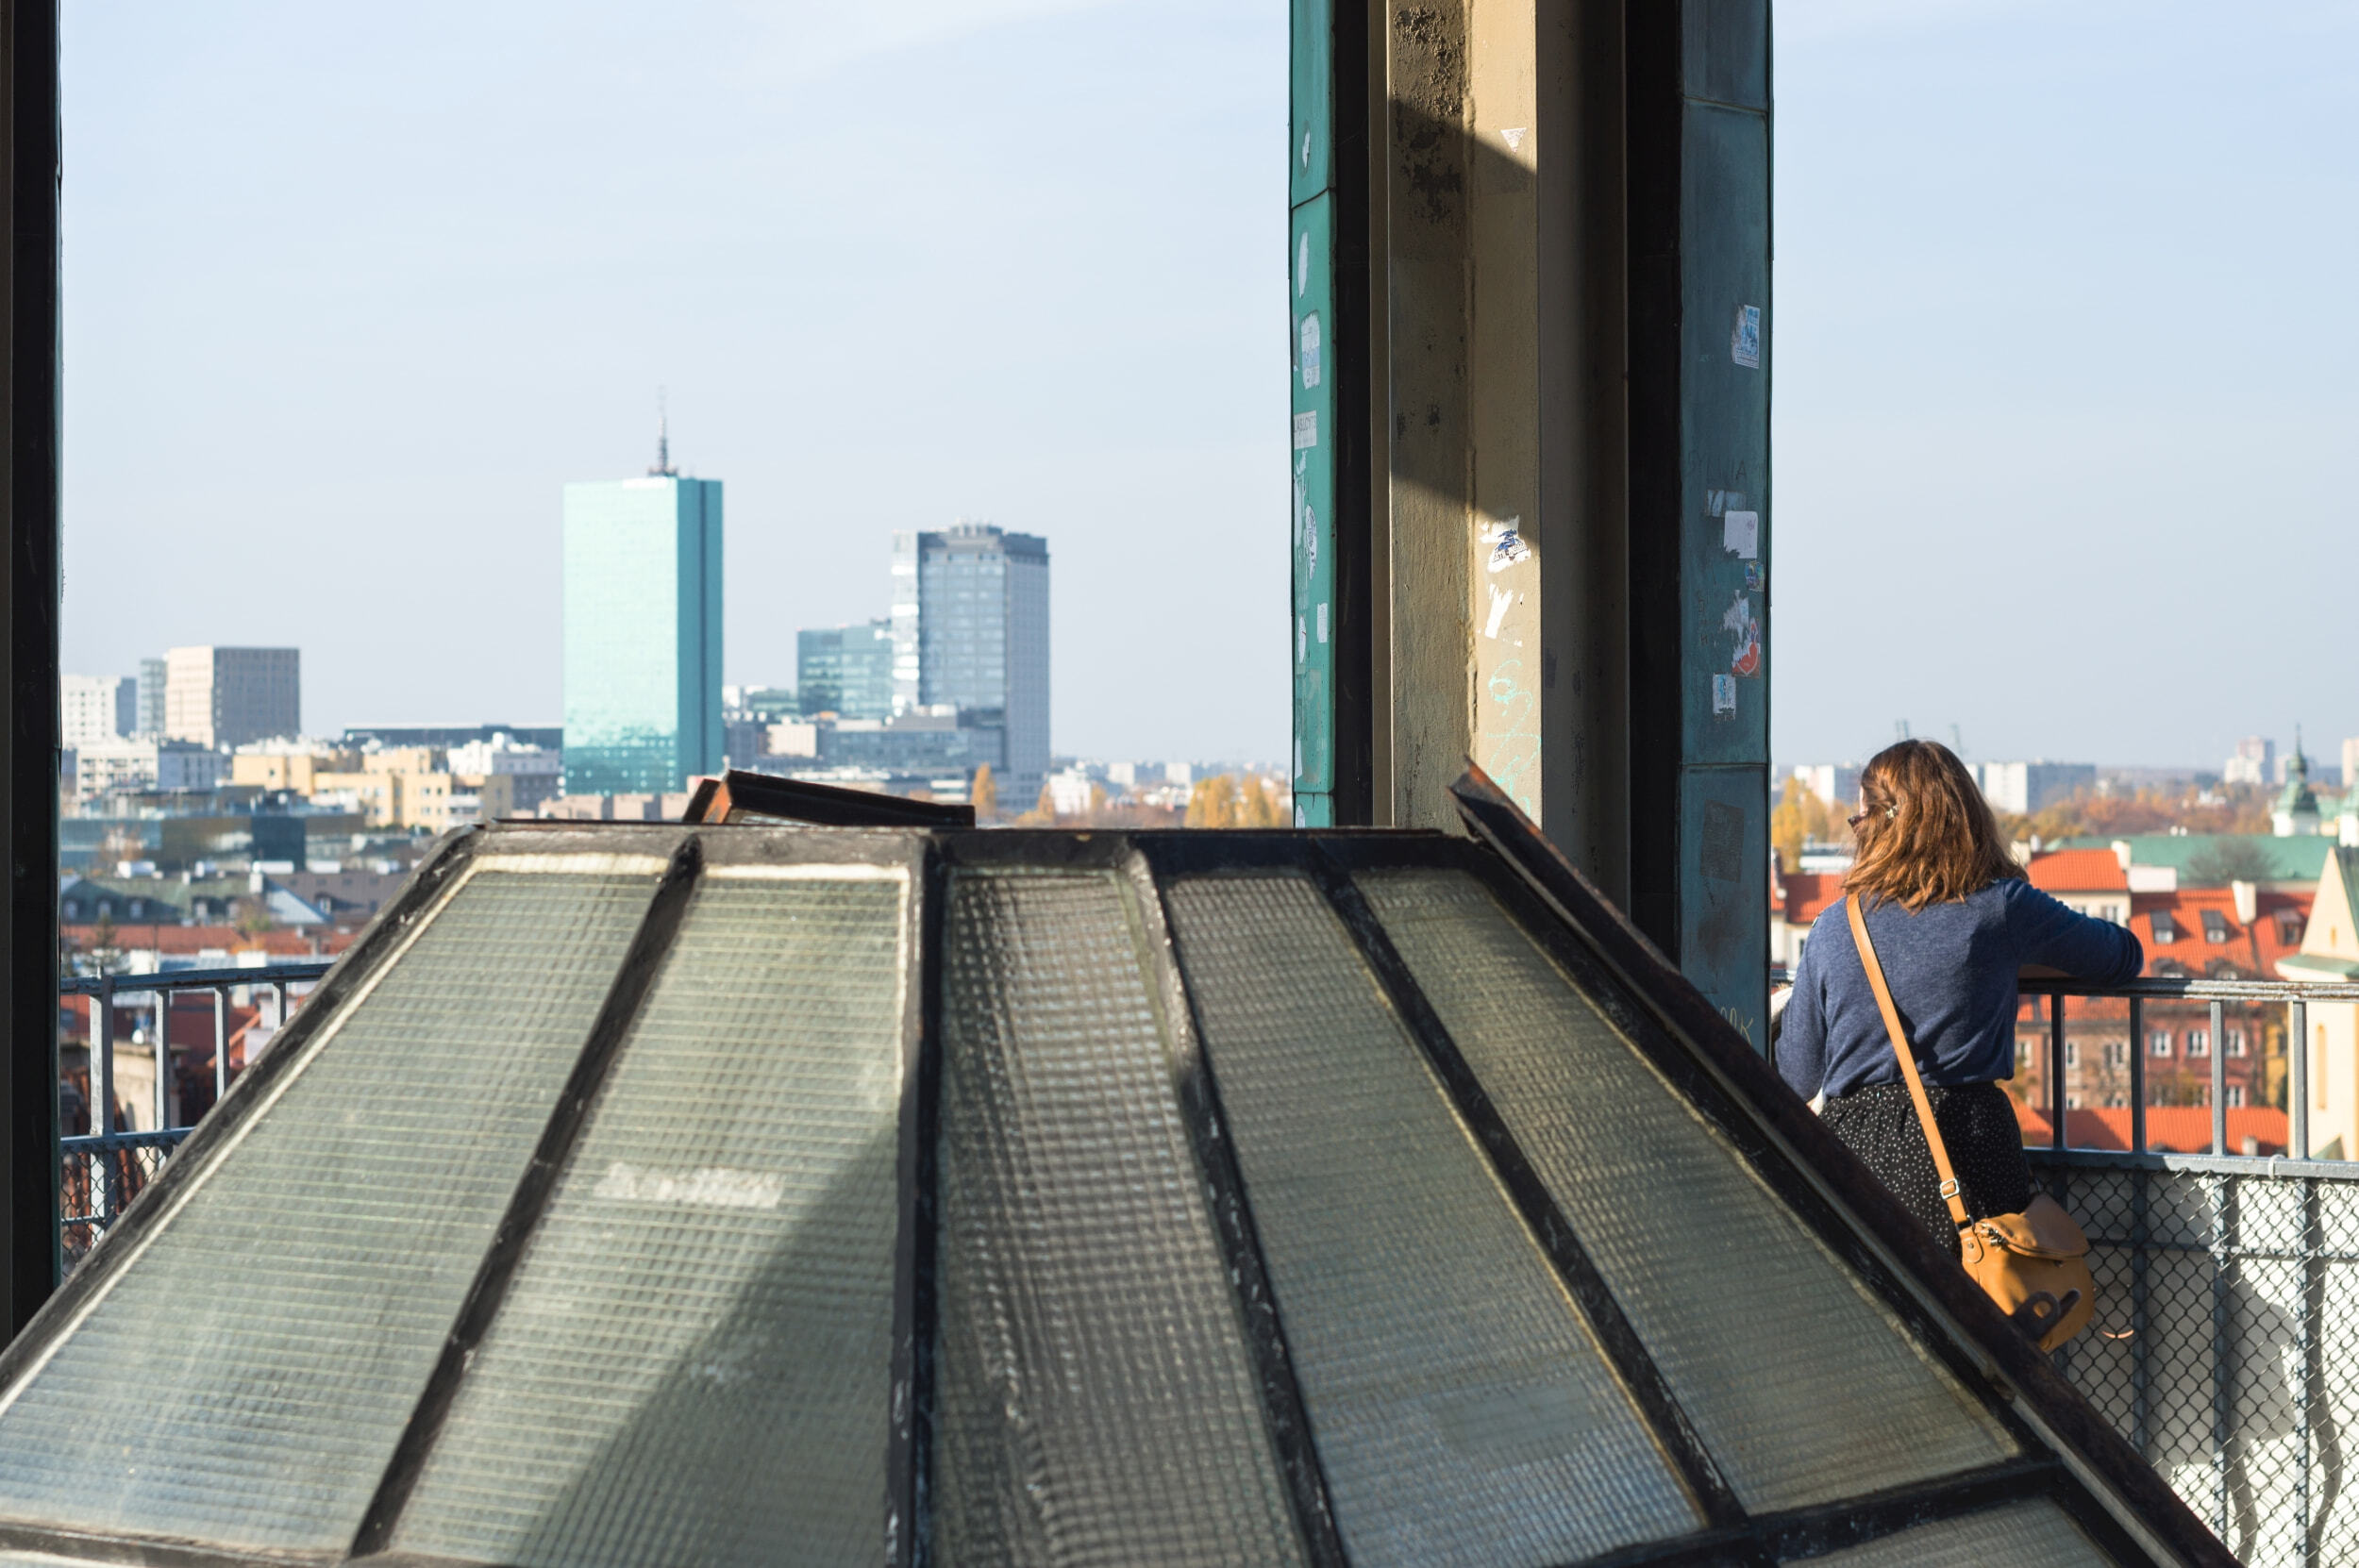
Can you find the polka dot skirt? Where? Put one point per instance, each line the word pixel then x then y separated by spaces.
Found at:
pixel 1978 1125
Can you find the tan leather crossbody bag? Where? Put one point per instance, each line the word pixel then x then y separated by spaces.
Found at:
pixel 2035 1264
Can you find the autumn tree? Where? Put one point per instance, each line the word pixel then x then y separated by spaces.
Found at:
pixel 985 793
pixel 250 918
pixel 1213 802
pixel 1801 818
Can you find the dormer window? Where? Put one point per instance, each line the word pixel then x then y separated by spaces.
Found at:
pixel 2289 927
pixel 2166 930
pixel 2215 926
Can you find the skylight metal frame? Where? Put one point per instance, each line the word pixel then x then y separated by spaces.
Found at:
pixel 2068 1456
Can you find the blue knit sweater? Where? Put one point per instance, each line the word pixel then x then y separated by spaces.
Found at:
pixel 1952 968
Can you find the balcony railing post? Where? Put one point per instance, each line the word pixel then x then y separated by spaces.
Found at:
pixel 221 1043
pixel 163 1059
pixel 2219 1077
pixel 102 1105
pixel 2056 1070
pixel 2137 1074
pixel 2223 1245
pixel 2298 1079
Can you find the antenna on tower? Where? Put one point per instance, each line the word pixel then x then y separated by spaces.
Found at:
pixel 662 438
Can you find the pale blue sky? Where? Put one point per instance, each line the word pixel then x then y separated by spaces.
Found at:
pixel 2063 403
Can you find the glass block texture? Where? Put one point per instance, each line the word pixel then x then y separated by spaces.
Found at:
pixel 693 1361
pixel 2020 1535
pixel 1098 1404
pixel 1461 1410
pixel 1803 1386
pixel 244 1379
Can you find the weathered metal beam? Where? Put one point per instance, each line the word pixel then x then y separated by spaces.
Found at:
pixel 28 1086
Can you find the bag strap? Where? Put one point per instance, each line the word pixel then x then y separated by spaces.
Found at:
pixel 1908 1062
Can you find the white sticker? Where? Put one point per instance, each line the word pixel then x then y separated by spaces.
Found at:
pixel 1724 693
pixel 1322 622
pixel 1306 429
pixel 1511 547
pixel 1740 534
pixel 1744 337
pixel 1514 136
pixel 1306 149
pixel 1302 266
pixel 1501 600
pixel 1300 641
pixel 1310 540
pixel 1311 350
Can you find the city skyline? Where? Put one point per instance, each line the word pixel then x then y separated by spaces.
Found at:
pixel 2029 399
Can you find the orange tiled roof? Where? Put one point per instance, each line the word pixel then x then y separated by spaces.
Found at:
pixel 1809 893
pixel 2079 870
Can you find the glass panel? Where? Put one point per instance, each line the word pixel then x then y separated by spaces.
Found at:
pixel 693 1361
pixel 1802 1384
pixel 1098 1404
pixel 244 1381
pixel 2021 1534
pixel 1462 1412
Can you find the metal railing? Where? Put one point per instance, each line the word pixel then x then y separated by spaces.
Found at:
pixel 106 1167
pixel 2226 1345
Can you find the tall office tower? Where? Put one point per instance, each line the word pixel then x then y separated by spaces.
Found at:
pixel 228 697
pixel 642 632
pixel 152 677
pixel 970 629
pixel 846 671
pixel 97 709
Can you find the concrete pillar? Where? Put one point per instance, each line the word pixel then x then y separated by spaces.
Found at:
pixel 1543 207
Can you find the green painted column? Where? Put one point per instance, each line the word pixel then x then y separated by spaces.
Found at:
pixel 1312 346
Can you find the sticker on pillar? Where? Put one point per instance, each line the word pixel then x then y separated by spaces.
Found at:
pixel 1740 620
pixel 1501 600
pixel 1514 136
pixel 1724 696
pixel 1306 151
pixel 1744 337
pixel 1717 502
pixel 1740 534
pixel 1311 350
pixel 1721 856
pixel 1302 257
pixel 1322 621
pixel 1302 641
pixel 1306 428
pixel 1509 548
pixel 1753 576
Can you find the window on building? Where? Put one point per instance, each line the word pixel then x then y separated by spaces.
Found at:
pixel 2072 1102
pixel 2166 930
pixel 2072 1053
pixel 2158 1043
pixel 2114 1101
pixel 2236 1095
pixel 2236 1043
pixel 2289 927
pixel 2215 926
pixel 2116 1053
pixel 2199 1043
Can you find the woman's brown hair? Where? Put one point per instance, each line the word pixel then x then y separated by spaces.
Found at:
pixel 1925 833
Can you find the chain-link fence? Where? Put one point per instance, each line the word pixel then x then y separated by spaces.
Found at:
pixel 2226 1343
pixel 97 1184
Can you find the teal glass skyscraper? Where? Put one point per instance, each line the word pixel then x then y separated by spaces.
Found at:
pixel 642 632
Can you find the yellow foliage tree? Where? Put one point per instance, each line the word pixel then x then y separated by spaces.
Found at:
pixel 984 795
pixel 1801 818
pixel 1213 802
